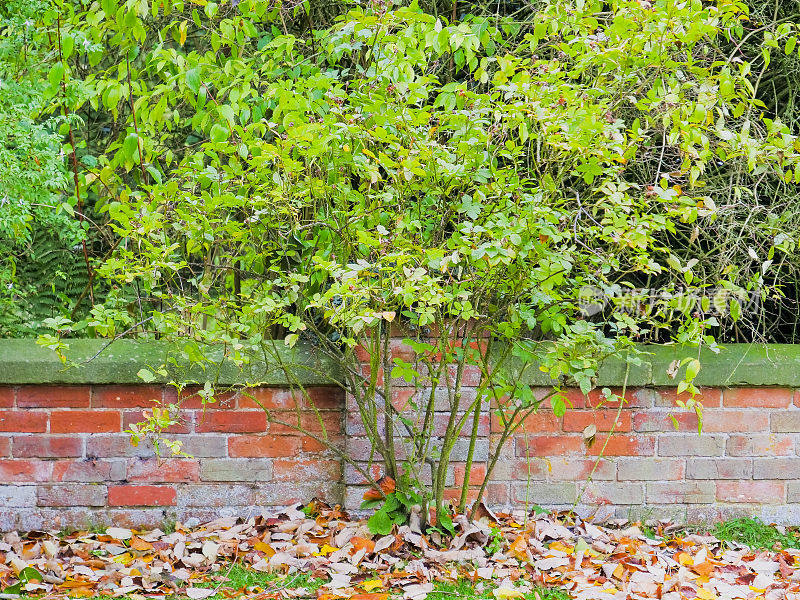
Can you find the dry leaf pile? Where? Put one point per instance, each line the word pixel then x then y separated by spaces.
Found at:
pixel 590 562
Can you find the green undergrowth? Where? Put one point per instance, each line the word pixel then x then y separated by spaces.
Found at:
pixel 756 534
pixel 465 588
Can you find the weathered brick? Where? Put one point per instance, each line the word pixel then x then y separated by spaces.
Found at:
pixel 170 470
pixel 23 421
pixel 235 469
pixel 623 445
pixel 548 445
pixel 141 495
pixel 267 398
pixel 25 470
pixel 281 494
pixel 185 420
pixel 785 422
pixel 215 495
pixel 537 423
pixel 233 421
pixel 7 395
pixel 252 446
pixel 520 469
pixel 608 492
pixel 579 469
pixel 5 446
pixel 189 398
pixel 719 468
pixel 650 469
pixel 104 446
pixel 659 420
pixel 793 491
pixel 477 473
pixel 53 396
pixel 46 446
pixel 544 493
pixel 89 470
pixel 306 470
pixel 603 420
pixel 758 397
pixel 75 494
pixel 763 444
pixel 13 496
pixel 85 421
pixel 309 421
pixel 776 468
pixel 734 421
pixel 680 492
pixel 126 396
pixel 691 445
pixel 667 397
pixel 766 492
pixel 461 448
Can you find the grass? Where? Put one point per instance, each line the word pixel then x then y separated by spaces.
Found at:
pixel 464 588
pixel 756 534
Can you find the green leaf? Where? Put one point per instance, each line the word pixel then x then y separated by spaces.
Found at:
pixel 146 375
pixel 193 79
pixel 219 133
pixel 130 146
pixel 381 523
pixel 56 74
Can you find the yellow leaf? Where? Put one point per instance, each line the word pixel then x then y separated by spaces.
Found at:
pixel 325 550
pixel 123 558
pixel 265 548
pixel 705 594
pixel 182 31
pixel 685 559
pixel 619 572
pixel 369 153
pixel 507 593
pixel 372 584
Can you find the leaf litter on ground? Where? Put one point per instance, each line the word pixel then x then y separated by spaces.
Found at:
pixel 320 553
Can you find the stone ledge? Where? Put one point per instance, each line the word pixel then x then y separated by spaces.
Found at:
pixel 22 361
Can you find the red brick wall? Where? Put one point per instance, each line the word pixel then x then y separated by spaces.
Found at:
pixel 65 461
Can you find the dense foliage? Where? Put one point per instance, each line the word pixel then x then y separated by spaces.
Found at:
pixel 508 185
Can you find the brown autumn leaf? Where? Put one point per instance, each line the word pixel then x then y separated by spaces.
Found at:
pixel 386 485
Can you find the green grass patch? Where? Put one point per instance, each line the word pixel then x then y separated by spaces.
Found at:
pixel 756 534
pixel 464 588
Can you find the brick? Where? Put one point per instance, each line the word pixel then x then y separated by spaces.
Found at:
pixel 354 477
pixel 235 469
pixel 5 446
pixel 189 399
pixel 53 396
pixel 461 447
pixel 633 398
pixel 776 468
pixel 719 468
pixel 667 421
pixel 544 493
pixel 170 470
pixel 238 421
pixel 604 420
pixel 46 446
pixel 691 445
pixel 607 492
pixel 536 423
pixel 623 445
pixel 23 421
pixel 127 396
pixel 760 445
pixel 71 495
pixel 497 494
pixel 17 496
pixel 215 495
pixel 549 445
pixel 306 470
pixel 760 397
pixel 89 470
pixel 141 495
pixel 734 421
pixel 668 397
pixel 680 492
pixel 766 492
pixel 257 446
pixel 793 491
pixel 202 446
pixel 113 446
pixel 477 474
pixel 440 424
pixel 7 395
pixel 22 470
pixel 579 469
pixel 785 422
pixel 184 425
pixel 519 469
pixel 323 398
pixel 650 469
pixel 281 494
pixel 309 421
pixel 85 421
